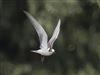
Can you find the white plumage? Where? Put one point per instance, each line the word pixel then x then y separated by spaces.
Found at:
pixel 46 47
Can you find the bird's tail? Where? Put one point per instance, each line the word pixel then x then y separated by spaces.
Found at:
pixel 35 51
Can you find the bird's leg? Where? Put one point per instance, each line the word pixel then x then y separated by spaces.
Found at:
pixel 42 59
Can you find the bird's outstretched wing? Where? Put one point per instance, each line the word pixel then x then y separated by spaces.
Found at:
pixel 55 35
pixel 41 32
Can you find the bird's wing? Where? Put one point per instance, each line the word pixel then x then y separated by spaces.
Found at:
pixel 41 32
pixel 55 35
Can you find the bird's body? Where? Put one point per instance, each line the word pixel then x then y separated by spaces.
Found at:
pixel 44 52
pixel 46 47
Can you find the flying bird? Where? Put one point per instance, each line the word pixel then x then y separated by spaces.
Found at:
pixel 46 47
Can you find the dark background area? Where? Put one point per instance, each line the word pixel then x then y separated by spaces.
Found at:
pixel 77 47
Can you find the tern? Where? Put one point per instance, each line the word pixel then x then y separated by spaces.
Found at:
pixel 46 47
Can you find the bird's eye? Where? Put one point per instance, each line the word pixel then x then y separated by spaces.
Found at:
pixel 50 50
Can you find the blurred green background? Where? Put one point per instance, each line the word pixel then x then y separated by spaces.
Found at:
pixel 77 47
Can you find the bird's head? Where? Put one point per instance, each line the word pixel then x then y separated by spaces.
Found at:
pixel 51 50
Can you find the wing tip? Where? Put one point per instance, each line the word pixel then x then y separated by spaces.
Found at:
pixel 26 12
pixel 59 21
